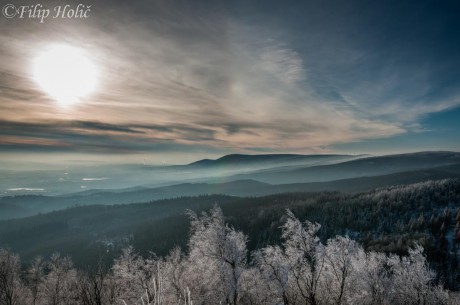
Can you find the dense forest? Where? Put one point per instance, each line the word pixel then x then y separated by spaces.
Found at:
pixel 218 269
pixel 105 249
pixel 387 220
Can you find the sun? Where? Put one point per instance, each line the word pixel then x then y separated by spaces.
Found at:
pixel 66 73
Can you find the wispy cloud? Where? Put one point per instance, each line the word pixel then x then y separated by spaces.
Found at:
pixel 181 76
pixel 283 63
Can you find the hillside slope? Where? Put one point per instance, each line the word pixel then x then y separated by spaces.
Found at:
pixel 23 206
pixel 386 220
pixel 363 167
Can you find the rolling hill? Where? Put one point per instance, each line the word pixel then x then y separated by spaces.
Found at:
pixel 27 205
pixel 363 167
pixel 387 215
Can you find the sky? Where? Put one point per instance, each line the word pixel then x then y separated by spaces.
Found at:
pixel 185 80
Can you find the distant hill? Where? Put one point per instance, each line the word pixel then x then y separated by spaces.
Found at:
pixel 122 177
pixel 239 160
pixel 272 169
pixel 363 167
pixel 27 205
pixel 372 182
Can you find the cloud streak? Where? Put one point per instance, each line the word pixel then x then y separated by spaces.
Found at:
pixel 176 76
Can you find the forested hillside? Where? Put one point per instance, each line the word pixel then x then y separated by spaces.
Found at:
pixel 389 220
pixel 28 205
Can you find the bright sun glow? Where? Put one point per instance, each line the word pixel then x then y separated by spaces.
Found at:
pixel 65 73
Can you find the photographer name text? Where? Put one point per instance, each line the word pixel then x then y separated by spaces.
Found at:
pixel 41 13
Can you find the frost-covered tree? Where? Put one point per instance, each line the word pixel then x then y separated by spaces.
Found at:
pixel 153 280
pixel 343 260
pixel 299 270
pixel 97 287
pixel 175 286
pixel 255 288
pixel 11 288
pixel 60 283
pixel 412 280
pixel 137 277
pixel 305 255
pixel 274 270
pixel 34 279
pixel 372 280
pixel 217 258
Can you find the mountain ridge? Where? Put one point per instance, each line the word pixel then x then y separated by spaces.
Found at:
pixel 232 159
